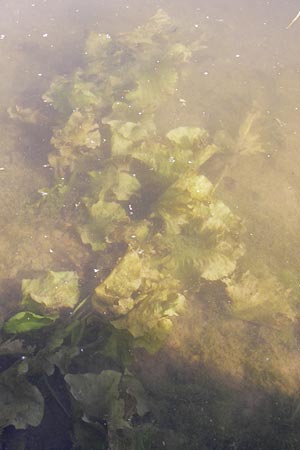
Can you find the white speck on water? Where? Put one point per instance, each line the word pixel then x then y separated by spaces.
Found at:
pixel 2 168
pixel 96 270
pixel 45 35
pixel 2 36
pixel 205 73
pixel 50 250
pixel 43 193
pixel 39 74
pixel 237 55
pixel 196 25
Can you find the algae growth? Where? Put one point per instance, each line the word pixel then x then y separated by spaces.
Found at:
pixel 173 282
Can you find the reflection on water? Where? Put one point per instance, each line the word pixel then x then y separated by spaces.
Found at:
pixel 149 219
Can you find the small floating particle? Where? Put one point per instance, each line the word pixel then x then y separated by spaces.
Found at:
pixel 50 250
pixel 2 36
pixel 45 35
pixel 2 168
pixel 39 74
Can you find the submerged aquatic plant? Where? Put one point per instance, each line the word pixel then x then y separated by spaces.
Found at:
pixel 143 205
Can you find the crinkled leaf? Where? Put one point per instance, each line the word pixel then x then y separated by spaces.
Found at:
pixel 78 138
pixel 54 290
pixel 98 396
pixel 114 293
pixel 22 404
pixel 26 115
pixel 80 131
pixel 153 312
pixel 104 217
pixel 259 297
pixel 25 321
pixel 253 135
pixel 159 25
pixel 201 234
pixel 96 46
pixel 69 94
pixel 125 134
pixel 145 299
pixel 153 88
pixel 116 182
pixel 188 137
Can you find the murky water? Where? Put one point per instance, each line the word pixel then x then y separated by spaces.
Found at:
pixel 151 177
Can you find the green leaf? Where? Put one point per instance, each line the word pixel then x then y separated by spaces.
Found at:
pixel 259 297
pixel 188 137
pixel 104 217
pixel 78 138
pixel 140 298
pixel 125 134
pixel 22 404
pixel 54 290
pixel 199 236
pixel 153 87
pixel 133 387
pixel 158 25
pixel 98 396
pixel 75 93
pixel 25 321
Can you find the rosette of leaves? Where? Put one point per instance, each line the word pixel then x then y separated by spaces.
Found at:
pixel 167 158
pixel 200 236
pixel 140 299
pixel 141 68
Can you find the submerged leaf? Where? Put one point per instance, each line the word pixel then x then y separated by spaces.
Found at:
pixel 22 404
pixel 104 217
pixel 200 233
pixel 153 88
pixel 259 297
pixel 159 25
pixel 25 321
pixel 98 396
pixel 80 136
pixel 142 299
pixel 54 290
pixel 188 137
